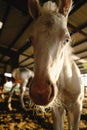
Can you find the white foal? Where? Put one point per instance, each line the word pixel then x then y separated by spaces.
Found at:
pixel 57 77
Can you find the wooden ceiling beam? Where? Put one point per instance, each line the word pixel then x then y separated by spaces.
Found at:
pixel 28 64
pixel 31 56
pixel 84 72
pixel 78 5
pixel 26 46
pixel 84 57
pixel 79 43
pixel 7 51
pixel 83 69
pixel 80 66
pixel 80 63
pixel 78 29
pixel 20 33
pixel 31 68
pixel 85 50
pixel 25 54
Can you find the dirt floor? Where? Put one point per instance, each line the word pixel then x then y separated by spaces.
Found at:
pixel 18 119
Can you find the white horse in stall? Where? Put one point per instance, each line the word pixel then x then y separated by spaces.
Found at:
pixel 22 76
pixel 56 79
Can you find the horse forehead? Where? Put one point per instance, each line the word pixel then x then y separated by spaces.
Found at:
pixel 52 18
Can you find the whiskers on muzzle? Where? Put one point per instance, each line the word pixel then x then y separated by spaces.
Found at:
pixel 37 109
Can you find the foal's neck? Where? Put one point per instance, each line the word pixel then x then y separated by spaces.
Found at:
pixel 67 66
pixel 69 76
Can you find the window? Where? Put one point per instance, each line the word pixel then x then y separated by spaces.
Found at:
pixel 84 79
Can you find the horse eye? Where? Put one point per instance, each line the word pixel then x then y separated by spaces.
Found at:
pixel 67 40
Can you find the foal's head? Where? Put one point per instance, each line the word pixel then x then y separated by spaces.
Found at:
pixel 50 38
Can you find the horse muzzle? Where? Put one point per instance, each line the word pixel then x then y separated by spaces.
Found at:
pixel 41 93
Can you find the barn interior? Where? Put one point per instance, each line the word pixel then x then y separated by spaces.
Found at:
pixel 16 48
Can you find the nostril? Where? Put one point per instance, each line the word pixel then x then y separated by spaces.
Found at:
pixel 51 89
pixel 48 82
pixel 52 92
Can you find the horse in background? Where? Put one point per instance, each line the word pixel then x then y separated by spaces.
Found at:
pixel 3 84
pixel 57 81
pixel 22 77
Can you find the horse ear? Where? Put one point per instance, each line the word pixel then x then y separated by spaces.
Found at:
pixel 65 7
pixel 34 8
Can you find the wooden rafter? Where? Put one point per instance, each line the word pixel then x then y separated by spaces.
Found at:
pixel 79 43
pixel 5 51
pixel 31 56
pixel 78 29
pixel 23 48
pixel 20 33
pixel 85 50
pixel 78 5
pixel 28 64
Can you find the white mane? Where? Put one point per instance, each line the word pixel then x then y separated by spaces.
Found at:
pixel 49 7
